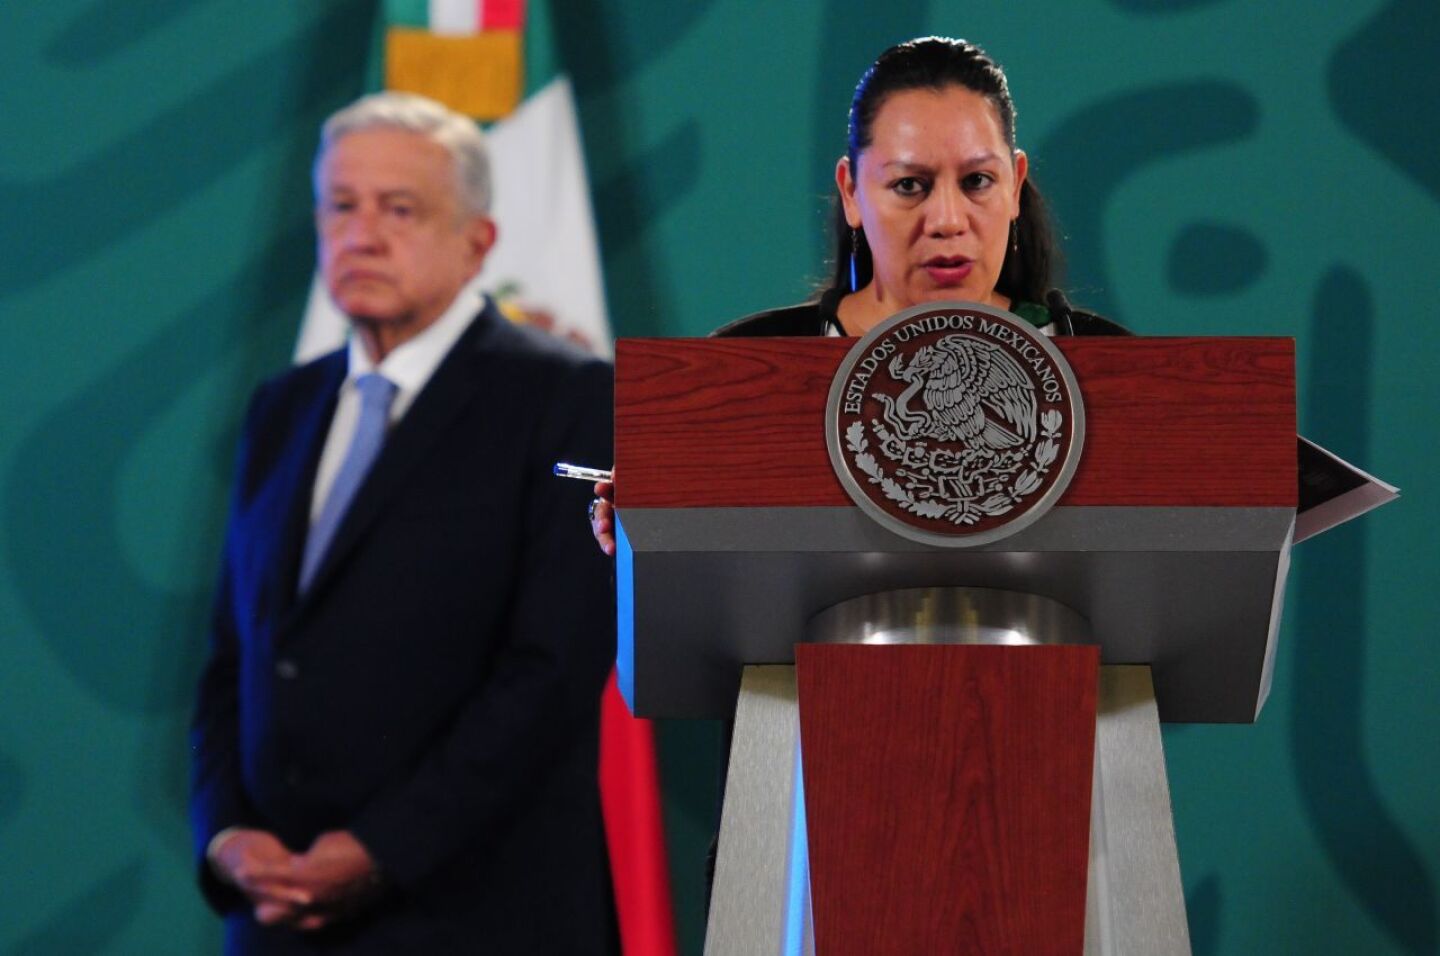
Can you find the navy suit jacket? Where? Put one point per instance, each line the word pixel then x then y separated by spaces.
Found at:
pixel 436 690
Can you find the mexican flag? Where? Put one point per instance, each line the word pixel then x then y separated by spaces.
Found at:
pixel 544 269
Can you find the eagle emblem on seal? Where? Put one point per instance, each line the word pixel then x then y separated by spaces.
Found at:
pixel 973 393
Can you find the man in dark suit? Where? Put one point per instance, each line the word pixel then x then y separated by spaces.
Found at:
pixel 395 740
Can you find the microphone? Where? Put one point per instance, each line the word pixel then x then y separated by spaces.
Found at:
pixel 1060 308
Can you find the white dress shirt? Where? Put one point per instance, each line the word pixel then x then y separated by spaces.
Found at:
pixel 409 366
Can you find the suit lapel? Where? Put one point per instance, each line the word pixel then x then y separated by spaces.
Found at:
pixel 307 441
pixel 450 389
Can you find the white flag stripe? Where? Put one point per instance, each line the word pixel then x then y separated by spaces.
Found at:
pixel 455 17
pixel 546 249
pixel 324 328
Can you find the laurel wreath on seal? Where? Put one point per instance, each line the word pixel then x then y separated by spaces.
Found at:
pixel 961 511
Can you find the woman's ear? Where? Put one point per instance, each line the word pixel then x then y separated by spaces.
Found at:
pixel 1022 167
pixel 845 184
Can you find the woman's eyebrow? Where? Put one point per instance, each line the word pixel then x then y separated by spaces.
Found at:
pixel 904 165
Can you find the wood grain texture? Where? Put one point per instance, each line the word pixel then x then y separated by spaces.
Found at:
pixel 1169 422
pixel 947 796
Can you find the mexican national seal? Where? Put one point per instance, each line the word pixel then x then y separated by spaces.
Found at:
pixel 954 423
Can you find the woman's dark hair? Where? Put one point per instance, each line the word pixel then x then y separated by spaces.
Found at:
pixel 933 63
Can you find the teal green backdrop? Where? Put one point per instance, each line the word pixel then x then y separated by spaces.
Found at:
pixel 1217 167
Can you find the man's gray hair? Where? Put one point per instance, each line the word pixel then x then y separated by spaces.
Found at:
pixel 458 134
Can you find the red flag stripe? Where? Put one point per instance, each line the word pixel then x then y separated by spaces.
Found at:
pixel 634 829
pixel 500 14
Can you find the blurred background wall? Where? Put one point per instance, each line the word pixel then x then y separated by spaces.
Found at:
pixel 1217 166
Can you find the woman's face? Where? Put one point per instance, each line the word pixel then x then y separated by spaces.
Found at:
pixel 935 192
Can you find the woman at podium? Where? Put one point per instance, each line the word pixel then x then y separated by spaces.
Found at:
pixel 934 203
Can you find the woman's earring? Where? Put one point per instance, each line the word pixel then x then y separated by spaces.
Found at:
pixel 1014 237
pixel 854 245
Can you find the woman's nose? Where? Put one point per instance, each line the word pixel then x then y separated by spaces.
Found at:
pixel 945 211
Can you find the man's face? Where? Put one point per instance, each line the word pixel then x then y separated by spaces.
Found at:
pixel 395 245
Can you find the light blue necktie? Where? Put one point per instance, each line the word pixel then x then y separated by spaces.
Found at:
pixel 376 394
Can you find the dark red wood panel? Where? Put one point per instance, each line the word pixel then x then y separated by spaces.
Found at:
pixel 947 796
pixel 1170 421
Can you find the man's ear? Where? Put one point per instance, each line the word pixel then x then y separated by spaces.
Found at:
pixel 480 233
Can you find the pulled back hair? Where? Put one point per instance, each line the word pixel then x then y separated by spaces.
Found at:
pixel 934 63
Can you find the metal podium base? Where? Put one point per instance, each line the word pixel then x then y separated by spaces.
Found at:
pixel 1135 901
pixel 760 902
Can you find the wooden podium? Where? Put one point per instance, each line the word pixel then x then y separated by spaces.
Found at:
pixel 982 768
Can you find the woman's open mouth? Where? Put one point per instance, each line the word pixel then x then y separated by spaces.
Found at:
pixel 948 270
